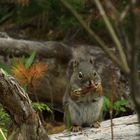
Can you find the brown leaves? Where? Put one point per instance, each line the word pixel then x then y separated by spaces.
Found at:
pixel 30 76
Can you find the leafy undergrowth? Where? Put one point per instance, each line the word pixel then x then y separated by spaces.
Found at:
pixel 119 108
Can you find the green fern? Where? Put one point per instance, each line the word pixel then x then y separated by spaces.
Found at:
pixel 41 107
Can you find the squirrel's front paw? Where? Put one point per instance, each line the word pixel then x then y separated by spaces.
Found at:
pixel 76 128
pixel 95 124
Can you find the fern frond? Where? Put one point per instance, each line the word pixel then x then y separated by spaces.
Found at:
pixel 31 75
pixel 36 72
pixel 21 73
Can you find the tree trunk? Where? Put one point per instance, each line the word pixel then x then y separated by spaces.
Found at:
pixel 26 122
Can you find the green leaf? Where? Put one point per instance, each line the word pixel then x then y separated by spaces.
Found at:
pixel 4 120
pixel 122 109
pixel 41 107
pixel 119 106
pixel 7 16
pixel 122 102
pixel 106 104
pixel 30 60
pixel 5 68
pixel 2 135
pixel 15 62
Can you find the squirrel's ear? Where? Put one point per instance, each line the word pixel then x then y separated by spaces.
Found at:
pixel 72 66
pixel 75 63
pixel 91 60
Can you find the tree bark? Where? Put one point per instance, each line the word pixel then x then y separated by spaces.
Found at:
pixel 26 122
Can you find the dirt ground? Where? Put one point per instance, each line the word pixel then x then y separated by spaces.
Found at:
pixel 55 127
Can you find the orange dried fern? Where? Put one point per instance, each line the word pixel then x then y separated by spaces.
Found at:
pixel 36 72
pixel 20 73
pixel 31 75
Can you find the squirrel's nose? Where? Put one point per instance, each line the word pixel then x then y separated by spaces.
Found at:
pixel 91 82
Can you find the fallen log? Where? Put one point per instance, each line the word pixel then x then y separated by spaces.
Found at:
pixel 48 49
pixel 124 128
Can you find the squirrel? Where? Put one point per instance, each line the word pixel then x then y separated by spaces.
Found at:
pixel 83 99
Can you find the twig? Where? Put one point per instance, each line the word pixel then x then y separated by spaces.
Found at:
pixel 113 35
pixel 124 13
pixel 95 36
pixel 114 12
pixel 118 25
pixel 111 121
pixel 112 83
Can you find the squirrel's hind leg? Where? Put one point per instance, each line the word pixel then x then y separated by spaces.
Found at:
pixel 76 128
pixel 72 117
pixel 96 124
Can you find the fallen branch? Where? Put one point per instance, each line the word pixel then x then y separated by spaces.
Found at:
pixel 49 49
pixel 124 128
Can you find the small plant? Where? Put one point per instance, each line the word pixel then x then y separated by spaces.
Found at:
pixel 4 119
pixel 41 107
pixel 118 107
pixel 29 76
pixel 2 136
pixel 7 70
pixel 28 73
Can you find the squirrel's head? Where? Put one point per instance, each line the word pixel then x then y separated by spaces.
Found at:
pixel 84 77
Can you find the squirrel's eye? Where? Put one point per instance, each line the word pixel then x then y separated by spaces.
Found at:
pixel 80 75
pixel 94 73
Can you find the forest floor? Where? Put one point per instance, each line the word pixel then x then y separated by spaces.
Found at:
pixel 55 127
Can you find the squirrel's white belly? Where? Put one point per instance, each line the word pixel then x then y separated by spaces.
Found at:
pixel 86 112
pixel 90 112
